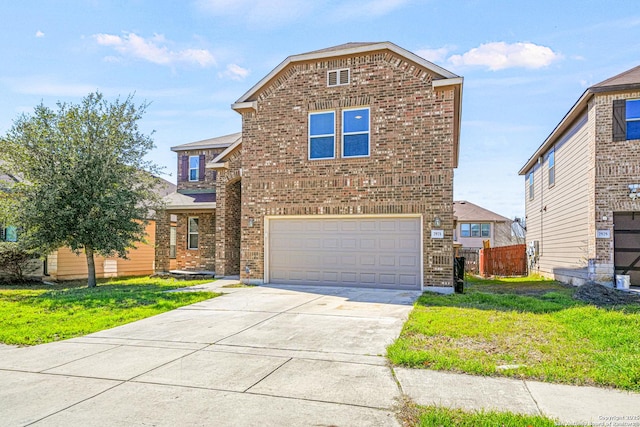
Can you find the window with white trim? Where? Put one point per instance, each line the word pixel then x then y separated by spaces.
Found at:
pixel 551 161
pixel 531 189
pixel 194 168
pixel 322 130
pixel 338 77
pixel 355 132
pixel 172 242
pixel 475 230
pixel 632 116
pixel 192 234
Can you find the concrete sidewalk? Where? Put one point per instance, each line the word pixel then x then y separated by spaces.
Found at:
pixel 263 356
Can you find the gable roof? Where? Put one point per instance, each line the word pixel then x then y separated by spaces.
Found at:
pixel 218 142
pixel 627 80
pixel 467 211
pixel 444 77
pixel 440 76
pixel 218 162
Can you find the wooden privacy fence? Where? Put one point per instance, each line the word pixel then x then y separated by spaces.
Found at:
pixel 504 261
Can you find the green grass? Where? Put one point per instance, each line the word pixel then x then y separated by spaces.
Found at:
pixel 39 313
pixel 531 323
pixel 428 416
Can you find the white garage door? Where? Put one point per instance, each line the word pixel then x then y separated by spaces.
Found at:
pixel 380 252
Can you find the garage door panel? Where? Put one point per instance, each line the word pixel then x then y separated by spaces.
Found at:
pixel 371 252
pixel 366 244
pixel 329 226
pixel 349 226
pixel 388 225
pixel 408 279
pixel 407 261
pixel 410 226
pixel 349 260
pixel 368 278
pixel 387 260
pixel 349 243
pixel 349 277
pixel 367 260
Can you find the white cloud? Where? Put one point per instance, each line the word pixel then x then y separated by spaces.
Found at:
pixel 155 49
pixel 234 72
pixel 39 34
pixel 434 55
pixel 501 55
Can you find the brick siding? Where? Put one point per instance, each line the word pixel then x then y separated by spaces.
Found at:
pixel 409 169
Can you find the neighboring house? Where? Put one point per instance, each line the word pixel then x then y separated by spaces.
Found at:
pixel 475 224
pixel 342 175
pixel 582 185
pixel 64 264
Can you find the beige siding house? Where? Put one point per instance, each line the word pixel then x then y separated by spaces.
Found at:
pixel 475 224
pixel 581 213
pixel 343 174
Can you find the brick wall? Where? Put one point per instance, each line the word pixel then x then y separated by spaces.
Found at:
pixel 617 166
pixel 163 223
pixel 409 169
pixel 228 205
pixel 209 182
pixel 202 258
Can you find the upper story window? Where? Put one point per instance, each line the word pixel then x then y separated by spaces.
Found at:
pixel 322 130
pixel 626 119
pixel 355 133
pixel 551 160
pixel 338 77
pixel 194 168
pixel 632 117
pixel 475 230
pixel 531 185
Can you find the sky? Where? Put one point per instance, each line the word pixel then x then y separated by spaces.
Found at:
pixel 524 63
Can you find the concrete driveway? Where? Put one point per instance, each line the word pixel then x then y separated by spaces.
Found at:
pixel 253 357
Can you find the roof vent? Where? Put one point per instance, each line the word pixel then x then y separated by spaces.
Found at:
pixel 338 77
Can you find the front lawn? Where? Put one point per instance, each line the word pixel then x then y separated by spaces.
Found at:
pixel 524 328
pixel 39 313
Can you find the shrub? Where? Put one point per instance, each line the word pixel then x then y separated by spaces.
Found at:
pixel 16 260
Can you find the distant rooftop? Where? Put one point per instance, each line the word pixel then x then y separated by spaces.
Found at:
pixel 219 142
pixel 467 211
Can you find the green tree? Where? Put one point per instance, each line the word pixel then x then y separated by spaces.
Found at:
pixel 83 182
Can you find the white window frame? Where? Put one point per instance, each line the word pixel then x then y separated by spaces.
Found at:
pixel 629 119
pixel 368 133
pixel 197 168
pixel 333 135
pixel 190 232
pixel 551 163
pixel 172 242
pixel 339 81
pixel 531 186
pixel 471 227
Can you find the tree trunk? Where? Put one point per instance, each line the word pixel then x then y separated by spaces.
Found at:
pixel 91 267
